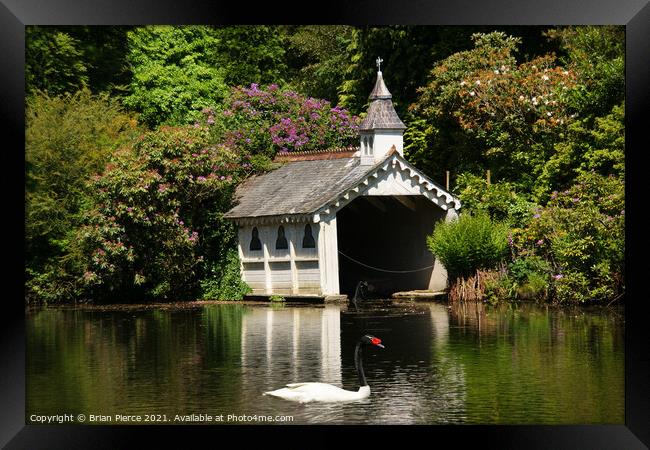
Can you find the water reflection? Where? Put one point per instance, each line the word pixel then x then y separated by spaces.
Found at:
pixel 300 344
pixel 470 363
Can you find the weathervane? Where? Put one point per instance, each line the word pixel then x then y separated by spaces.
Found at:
pixel 379 61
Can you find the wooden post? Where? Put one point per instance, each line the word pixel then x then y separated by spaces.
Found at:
pixel 267 267
pixel 488 177
pixel 447 180
pixel 292 254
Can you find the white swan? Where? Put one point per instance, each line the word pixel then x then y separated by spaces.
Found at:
pixel 323 392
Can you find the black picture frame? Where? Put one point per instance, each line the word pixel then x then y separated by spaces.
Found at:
pixel 634 14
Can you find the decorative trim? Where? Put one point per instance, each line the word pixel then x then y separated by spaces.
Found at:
pixel 313 155
pixel 429 189
pixel 278 219
pixel 394 161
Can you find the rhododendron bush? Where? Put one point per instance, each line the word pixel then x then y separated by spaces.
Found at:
pixel 272 120
pixel 157 220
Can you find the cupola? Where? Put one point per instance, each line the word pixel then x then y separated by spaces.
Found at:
pixel 382 128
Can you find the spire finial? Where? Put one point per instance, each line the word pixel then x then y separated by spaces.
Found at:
pixel 379 61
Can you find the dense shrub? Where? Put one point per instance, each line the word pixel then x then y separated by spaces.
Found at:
pixel 158 216
pixel 472 242
pixel 530 277
pixel 476 195
pixel 581 232
pixel 272 120
pixel 67 139
pixel 224 280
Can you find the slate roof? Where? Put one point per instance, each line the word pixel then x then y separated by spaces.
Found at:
pixel 297 187
pixel 382 115
pixel 380 90
pixel 381 112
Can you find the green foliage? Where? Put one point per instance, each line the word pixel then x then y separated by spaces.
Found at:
pixel 597 54
pixel 104 55
pixel 319 54
pixel 495 199
pixel 250 54
pixel 470 243
pixel 67 139
pixel 530 277
pixel 497 287
pixel 521 268
pixel 224 282
pixel 581 232
pixel 487 109
pixel 53 62
pixel 270 120
pixel 54 283
pixel 591 144
pixel 276 298
pixel 158 220
pixel 64 59
pixel 175 73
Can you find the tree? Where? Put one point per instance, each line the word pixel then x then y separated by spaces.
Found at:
pixel 251 54
pixel 581 232
pixel 504 116
pixel 67 139
pixel 175 73
pixel 53 61
pixel 597 54
pixel 318 54
pixel 591 143
pixel 104 51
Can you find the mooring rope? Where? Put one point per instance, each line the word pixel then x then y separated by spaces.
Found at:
pixel 384 270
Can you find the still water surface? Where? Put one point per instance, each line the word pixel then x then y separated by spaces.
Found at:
pixel 467 364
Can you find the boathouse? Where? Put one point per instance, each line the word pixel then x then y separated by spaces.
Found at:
pixel 326 220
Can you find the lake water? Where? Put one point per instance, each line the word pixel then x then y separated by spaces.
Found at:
pixel 470 364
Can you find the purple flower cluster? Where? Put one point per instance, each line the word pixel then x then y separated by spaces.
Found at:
pixel 285 121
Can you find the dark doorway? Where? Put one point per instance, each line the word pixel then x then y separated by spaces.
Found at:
pixel 380 236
